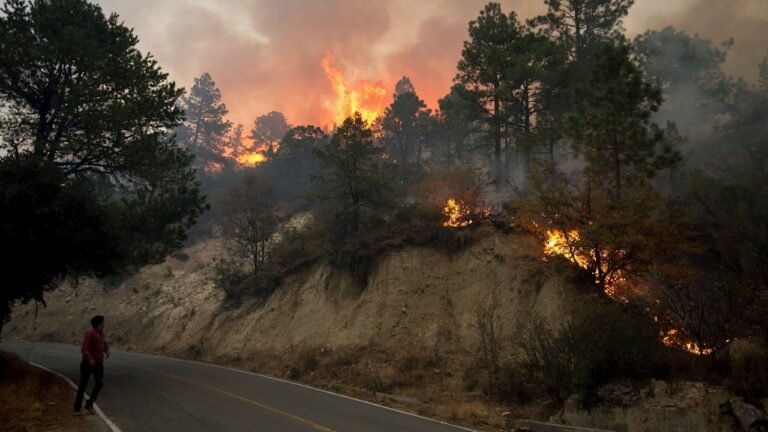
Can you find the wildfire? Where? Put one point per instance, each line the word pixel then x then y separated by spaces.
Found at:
pixel 563 243
pixel 251 159
pixel 672 338
pixel 364 97
pixel 457 214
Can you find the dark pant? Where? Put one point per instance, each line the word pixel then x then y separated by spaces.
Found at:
pixel 85 373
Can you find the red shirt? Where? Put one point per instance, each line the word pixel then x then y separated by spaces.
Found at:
pixel 94 346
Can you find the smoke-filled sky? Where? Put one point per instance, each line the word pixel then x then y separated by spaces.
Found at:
pixel 265 54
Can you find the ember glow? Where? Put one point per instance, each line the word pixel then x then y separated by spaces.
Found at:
pixel 564 243
pixel 366 97
pixel 251 159
pixel 457 214
pixel 672 338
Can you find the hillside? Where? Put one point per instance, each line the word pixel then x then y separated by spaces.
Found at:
pixel 414 297
pixel 409 338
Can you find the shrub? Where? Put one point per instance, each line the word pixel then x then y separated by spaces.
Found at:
pixel 181 256
pixel 749 369
pixel 602 342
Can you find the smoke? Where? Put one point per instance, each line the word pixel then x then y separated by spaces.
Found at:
pixel 265 54
pixel 746 21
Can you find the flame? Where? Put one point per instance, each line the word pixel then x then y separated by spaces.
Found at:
pixel 672 338
pixel 457 214
pixel 364 97
pixel 251 159
pixel 563 243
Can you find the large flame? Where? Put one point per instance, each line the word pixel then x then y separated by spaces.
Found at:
pixel 457 214
pixel 364 97
pixel 251 159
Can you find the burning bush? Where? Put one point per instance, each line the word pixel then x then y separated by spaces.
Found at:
pixel 457 192
pixel 698 310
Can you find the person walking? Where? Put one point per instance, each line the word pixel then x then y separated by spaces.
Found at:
pixel 95 350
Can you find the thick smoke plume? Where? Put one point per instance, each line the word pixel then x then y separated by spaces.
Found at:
pixel 266 54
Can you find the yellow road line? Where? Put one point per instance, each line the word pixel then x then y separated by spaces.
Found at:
pixel 246 400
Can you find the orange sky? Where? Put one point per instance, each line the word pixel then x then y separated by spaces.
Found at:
pixel 266 54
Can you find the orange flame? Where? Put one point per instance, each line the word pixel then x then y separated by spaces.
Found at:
pixel 251 159
pixel 672 338
pixel 563 243
pixel 364 97
pixel 457 214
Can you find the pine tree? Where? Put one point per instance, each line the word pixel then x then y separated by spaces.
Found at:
pixel 404 126
pixel 581 26
pixel 352 187
pixel 91 179
pixel 205 130
pixel 483 72
pixel 267 132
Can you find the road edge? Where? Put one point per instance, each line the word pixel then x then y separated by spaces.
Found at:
pixel 112 426
pixel 300 384
pixel 268 377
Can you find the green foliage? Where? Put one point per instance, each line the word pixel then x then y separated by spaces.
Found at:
pixel 406 126
pixel 485 62
pixel 48 229
pixel 352 189
pixel 580 26
pixel 87 125
pixel 455 126
pixel 612 127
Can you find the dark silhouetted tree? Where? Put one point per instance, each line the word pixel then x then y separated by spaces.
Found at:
pixel 91 180
pixel 204 131
pixel 404 127
pixel 581 26
pixel 250 219
pixel 483 69
pixel 352 187
pixel 267 132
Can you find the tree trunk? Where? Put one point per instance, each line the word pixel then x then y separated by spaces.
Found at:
pixel 527 157
pixel 617 170
pixel 507 157
pixel 3 316
pixel 497 137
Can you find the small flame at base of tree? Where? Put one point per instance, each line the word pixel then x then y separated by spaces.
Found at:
pixel 457 214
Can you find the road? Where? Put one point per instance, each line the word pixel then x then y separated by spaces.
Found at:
pixel 148 393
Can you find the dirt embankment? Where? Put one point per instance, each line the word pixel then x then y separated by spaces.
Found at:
pixel 416 298
pixel 411 331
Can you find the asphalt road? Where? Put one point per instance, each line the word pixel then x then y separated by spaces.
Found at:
pixel 149 393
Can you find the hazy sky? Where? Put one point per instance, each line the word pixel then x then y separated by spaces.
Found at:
pixel 265 54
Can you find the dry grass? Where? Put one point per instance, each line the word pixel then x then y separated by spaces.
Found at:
pixel 34 400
